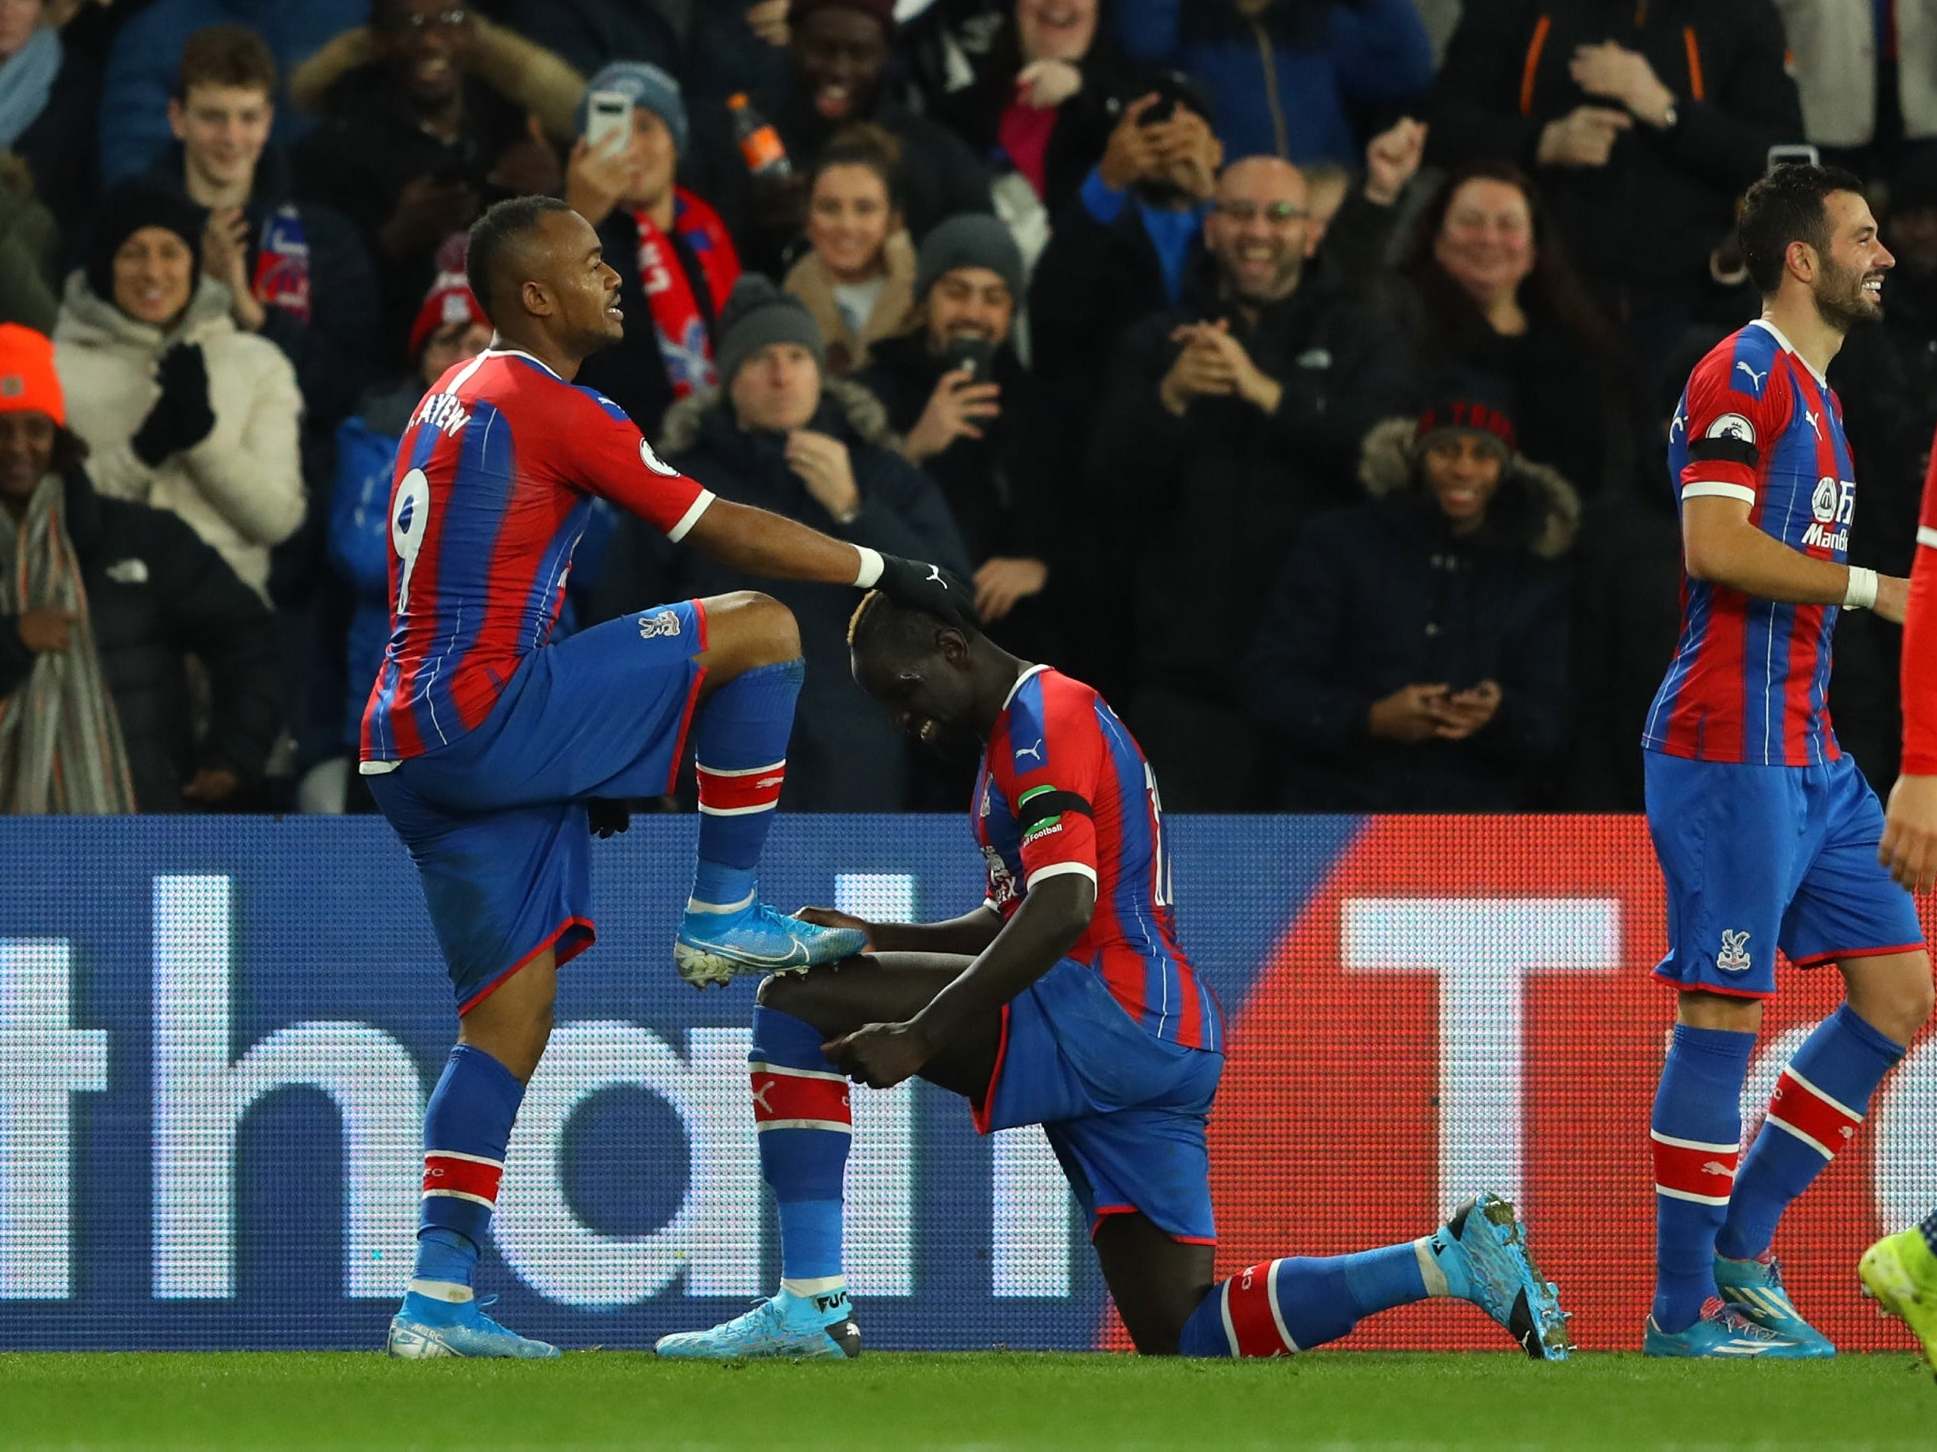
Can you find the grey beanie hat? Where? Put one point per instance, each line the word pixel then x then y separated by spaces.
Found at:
pixel 756 314
pixel 649 87
pixel 970 240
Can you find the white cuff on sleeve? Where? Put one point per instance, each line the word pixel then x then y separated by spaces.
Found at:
pixel 871 568
pixel 1711 489
pixel 691 516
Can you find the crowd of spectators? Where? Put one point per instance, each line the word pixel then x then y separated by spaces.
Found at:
pixel 1296 371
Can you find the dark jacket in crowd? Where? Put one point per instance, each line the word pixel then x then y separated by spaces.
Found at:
pixel 1287 82
pixel 1626 620
pixel 156 594
pixel 58 145
pixel 370 146
pixel 335 349
pixel 590 33
pixel 633 373
pixel 847 754
pixel 937 45
pixel 1210 505
pixel 1642 225
pixel 1004 499
pixel 1384 595
pixel 1572 396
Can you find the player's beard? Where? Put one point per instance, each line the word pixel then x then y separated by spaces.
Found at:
pixel 1841 301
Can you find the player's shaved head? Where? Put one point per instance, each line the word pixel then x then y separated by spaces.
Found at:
pixel 943 683
pixel 506 249
pixel 881 630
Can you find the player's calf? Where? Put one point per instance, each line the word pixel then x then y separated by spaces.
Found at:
pixel 1479 1256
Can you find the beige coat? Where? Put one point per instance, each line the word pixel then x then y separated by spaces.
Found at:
pixel 241 488
pixel 894 310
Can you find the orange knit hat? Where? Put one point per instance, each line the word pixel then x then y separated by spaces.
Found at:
pixel 28 383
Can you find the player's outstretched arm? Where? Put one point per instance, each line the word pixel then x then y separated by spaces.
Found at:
pixel 1721 546
pixel 963 937
pixel 744 538
pixel 1053 915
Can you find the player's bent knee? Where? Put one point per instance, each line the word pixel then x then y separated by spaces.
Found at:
pixel 749 629
pixel 1895 995
pixel 778 990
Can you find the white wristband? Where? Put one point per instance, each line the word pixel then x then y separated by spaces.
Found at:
pixel 1861 592
pixel 871 567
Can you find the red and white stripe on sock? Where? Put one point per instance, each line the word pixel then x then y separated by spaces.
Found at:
pixel 462 1177
pixel 1823 1123
pixel 740 792
pixel 789 1098
pixel 1253 1323
pixel 1689 1169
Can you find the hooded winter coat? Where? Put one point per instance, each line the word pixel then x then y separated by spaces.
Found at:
pixel 1384 595
pixel 846 753
pixel 241 488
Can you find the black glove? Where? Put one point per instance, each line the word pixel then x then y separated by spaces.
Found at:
pixel 919 585
pixel 181 417
pixel 606 817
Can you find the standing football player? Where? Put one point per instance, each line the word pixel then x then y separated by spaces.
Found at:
pixel 483 743
pixel 1766 832
pixel 1063 1000
pixel 1901 1270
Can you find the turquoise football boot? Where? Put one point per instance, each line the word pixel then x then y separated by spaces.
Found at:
pixel 802 1327
pixel 1481 1253
pixel 1722 1334
pixel 1753 1289
pixel 460 1330
pixel 716 947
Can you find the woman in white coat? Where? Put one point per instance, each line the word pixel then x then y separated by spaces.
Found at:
pixel 179 409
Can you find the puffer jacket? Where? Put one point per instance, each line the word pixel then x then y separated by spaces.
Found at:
pixel 846 754
pixel 241 488
pixel 1384 595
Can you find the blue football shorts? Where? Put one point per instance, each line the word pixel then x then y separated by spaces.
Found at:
pixel 495 820
pixel 1124 1111
pixel 1765 857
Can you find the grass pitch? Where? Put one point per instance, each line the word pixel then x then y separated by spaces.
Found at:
pixel 590 1402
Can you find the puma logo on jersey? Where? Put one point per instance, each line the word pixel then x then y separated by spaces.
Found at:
pixel 1754 377
pixel 935 574
pixel 443 412
pixel 1814 427
pixel 1035 751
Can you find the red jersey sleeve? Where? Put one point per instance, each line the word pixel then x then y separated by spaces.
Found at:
pixel 609 457
pixel 1733 415
pixel 1052 770
pixel 1919 665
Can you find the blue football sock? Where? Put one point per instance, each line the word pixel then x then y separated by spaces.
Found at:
pixel 1695 1133
pixel 1819 1101
pixel 1296 1304
pixel 800 1109
pixel 466 1127
pixel 740 760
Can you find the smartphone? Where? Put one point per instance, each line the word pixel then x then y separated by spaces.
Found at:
pixel 608 120
pixel 1797 155
pixel 974 354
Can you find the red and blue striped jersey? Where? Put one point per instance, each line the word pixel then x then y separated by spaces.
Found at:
pixel 1064 788
pixel 1749 681
pixel 492 486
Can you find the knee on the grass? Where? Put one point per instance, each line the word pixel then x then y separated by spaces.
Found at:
pixel 755 629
